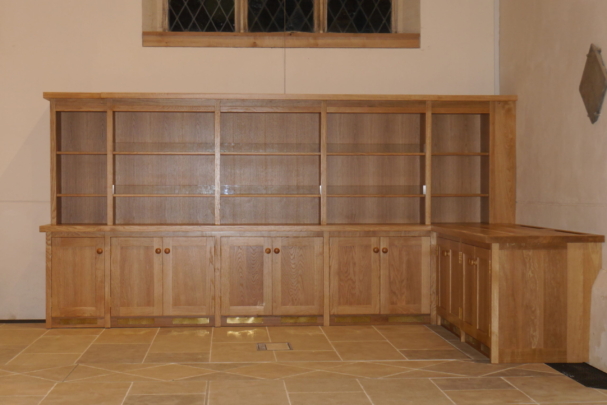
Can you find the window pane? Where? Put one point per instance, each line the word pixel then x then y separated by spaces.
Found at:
pixel 201 15
pixel 359 16
pixel 281 15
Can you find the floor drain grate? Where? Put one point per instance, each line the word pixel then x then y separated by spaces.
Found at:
pixel 274 346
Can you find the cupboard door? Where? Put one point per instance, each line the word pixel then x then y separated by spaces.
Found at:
pixel 297 270
pixel 77 277
pixel 354 267
pixel 483 266
pixel 136 269
pixel 188 276
pixel 470 299
pixel 443 282
pixel 246 276
pixel 405 275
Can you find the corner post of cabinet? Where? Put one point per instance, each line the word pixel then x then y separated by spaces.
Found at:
pixel 323 163
pixel 326 281
pixel 107 282
pixel 55 169
pixel 495 298
pixel 217 162
pixel 428 164
pixel 502 176
pixel 217 283
pixel 49 285
pixel 110 163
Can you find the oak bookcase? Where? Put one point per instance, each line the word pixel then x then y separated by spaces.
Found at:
pixel 227 209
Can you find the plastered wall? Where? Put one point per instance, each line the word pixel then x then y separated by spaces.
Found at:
pixel 95 45
pixel 561 156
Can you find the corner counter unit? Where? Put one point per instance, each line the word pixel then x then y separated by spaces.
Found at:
pixel 197 209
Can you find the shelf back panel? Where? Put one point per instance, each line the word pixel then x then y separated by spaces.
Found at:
pixel 82 210
pixel 375 210
pixel 459 175
pixel 270 210
pixel 82 174
pixel 374 171
pixel 460 133
pixel 164 132
pixel 459 209
pixel 81 131
pixel 164 210
pixel 270 171
pixel 270 132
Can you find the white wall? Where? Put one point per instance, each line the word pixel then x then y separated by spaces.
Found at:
pixel 561 156
pixel 95 45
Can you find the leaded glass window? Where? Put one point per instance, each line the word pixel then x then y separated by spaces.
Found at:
pixel 359 16
pixel 281 15
pixel 201 15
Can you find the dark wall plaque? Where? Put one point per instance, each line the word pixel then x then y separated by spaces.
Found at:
pixel 594 83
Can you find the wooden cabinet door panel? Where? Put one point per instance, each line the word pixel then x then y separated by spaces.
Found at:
pixel 354 268
pixel 188 276
pixel 483 257
pixel 405 275
pixel 443 282
pixel 246 276
pixel 136 271
pixel 77 277
pixel 470 281
pixel 297 270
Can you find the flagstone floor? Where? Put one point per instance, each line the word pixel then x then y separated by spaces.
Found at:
pixel 339 365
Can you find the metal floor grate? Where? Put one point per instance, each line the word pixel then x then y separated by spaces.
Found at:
pixel 274 346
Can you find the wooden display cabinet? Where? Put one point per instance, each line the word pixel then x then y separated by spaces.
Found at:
pixel 193 209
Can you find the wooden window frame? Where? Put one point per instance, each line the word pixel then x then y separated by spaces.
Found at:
pixel 156 33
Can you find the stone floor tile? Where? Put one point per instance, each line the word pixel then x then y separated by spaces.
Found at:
pixel 395 392
pixel 497 397
pixel 177 357
pixel 170 372
pixel 322 385
pixel 24 385
pixel 19 325
pixel 352 333
pixel 127 336
pixel 42 360
pixel 239 352
pixel 240 335
pixel 334 398
pixel 307 355
pixel 367 351
pixel 183 399
pixel 222 376
pixel 266 392
pixel 368 370
pixel 542 368
pixel 8 352
pixel 60 344
pixel 169 387
pixel 87 394
pixel 20 336
pixel 434 355
pixel 269 370
pixel 388 330
pixel 418 341
pixel 56 374
pixel 421 374
pixel 458 384
pixel 321 375
pixel 182 340
pixel 555 389
pixel 23 400
pixel 115 353
pixel 75 332
pixel 469 368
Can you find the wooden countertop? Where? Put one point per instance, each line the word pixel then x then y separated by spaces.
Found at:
pixel 497 233
pixel 484 233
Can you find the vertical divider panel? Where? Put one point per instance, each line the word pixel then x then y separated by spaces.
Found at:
pixel 49 277
pixel 217 281
pixel 55 209
pixel 326 280
pixel 495 303
pixel 110 165
pixel 323 163
pixel 428 199
pixel 217 162
pixel 107 284
pixel 502 197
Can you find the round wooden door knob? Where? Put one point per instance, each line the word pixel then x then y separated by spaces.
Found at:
pixel 268 250
pixel 99 251
pixel 277 251
pixel 167 251
pixel 158 251
pixel 375 250
pixel 385 250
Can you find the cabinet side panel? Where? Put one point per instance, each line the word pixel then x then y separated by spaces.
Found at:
pixel 502 205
